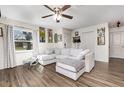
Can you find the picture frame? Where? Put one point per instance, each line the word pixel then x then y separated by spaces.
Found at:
pixel 1 32
pixel 101 36
pixel 55 38
pixel 76 39
pixel 60 38
pixel 50 36
pixel 42 37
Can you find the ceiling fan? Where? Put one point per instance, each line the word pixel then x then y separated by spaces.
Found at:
pixel 58 12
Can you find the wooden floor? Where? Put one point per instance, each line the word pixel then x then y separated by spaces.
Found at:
pixel 103 74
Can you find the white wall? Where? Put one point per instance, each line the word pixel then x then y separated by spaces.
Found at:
pixel 101 51
pixel 67 37
pixel 59 44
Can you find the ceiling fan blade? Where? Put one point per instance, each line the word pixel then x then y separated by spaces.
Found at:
pixel 49 8
pixel 47 16
pixel 67 16
pixel 65 7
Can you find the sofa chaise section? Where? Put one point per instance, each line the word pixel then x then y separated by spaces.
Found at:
pixel 75 65
pixel 46 59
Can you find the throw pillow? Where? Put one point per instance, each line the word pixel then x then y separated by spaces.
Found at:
pixel 82 54
pixel 49 51
pixel 65 51
pixel 57 51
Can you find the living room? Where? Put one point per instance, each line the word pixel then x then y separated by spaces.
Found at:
pixel 40 49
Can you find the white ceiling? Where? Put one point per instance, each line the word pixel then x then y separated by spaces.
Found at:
pixel 83 15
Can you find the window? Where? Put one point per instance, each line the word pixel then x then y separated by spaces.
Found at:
pixel 23 39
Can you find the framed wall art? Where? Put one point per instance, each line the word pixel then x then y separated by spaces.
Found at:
pixel 42 34
pixel 50 36
pixel 76 39
pixel 60 37
pixel 55 38
pixel 1 32
pixel 101 36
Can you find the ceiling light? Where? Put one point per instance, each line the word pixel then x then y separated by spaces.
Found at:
pixel 58 17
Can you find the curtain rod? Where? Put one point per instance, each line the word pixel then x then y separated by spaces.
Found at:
pixel 17 26
pixel 23 27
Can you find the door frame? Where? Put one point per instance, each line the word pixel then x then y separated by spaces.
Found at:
pixel 93 35
pixel 112 30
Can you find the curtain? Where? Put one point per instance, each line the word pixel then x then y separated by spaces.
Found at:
pixel 35 43
pixel 9 47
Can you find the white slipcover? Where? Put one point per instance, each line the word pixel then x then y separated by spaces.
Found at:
pixel 46 57
pixel 71 64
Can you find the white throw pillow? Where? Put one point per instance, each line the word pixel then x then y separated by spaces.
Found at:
pixel 75 52
pixel 57 51
pixel 82 54
pixel 65 51
pixel 49 51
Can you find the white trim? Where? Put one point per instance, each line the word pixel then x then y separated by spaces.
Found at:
pixel 23 51
pixel 21 27
pixel 117 29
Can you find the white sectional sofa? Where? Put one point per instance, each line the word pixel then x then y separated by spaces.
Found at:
pixel 69 62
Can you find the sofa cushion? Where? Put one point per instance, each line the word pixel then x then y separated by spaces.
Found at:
pixel 46 57
pixel 71 65
pixel 61 56
pixel 75 52
pixel 73 58
pixel 57 51
pixel 66 57
pixel 82 54
pixel 65 51
pixel 49 51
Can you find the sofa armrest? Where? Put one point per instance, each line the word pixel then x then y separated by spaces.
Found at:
pixel 89 61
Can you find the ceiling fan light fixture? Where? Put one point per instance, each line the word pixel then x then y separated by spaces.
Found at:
pixel 57 17
pixel 57 21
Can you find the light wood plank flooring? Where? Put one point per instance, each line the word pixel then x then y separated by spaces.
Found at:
pixel 104 74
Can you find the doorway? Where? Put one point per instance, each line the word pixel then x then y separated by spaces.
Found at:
pixel 88 40
pixel 117 44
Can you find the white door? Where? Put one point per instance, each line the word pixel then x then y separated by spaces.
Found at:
pixel 117 44
pixel 88 40
pixel 122 45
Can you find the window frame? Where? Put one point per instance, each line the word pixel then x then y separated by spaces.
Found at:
pixel 25 30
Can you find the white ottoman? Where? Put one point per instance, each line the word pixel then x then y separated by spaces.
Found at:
pixel 70 68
